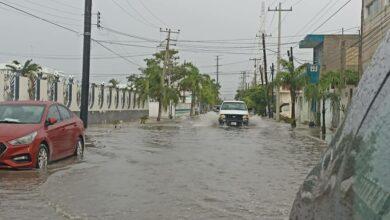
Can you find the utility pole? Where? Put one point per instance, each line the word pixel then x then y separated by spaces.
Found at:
pixel 165 67
pixel 261 75
pixel 265 59
pixel 291 56
pixel 246 84
pixel 271 115
pixel 265 73
pixel 279 10
pixel 217 70
pixel 86 62
pixel 255 66
pixel 243 81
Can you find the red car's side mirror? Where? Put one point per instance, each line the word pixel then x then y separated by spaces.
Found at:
pixel 51 121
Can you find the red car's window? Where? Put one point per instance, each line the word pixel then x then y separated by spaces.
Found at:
pixel 53 113
pixel 21 114
pixel 65 114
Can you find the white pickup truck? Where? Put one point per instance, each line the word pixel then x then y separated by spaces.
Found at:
pixel 233 113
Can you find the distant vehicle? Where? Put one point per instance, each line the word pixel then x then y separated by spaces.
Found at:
pixel 216 108
pixel 233 113
pixel 34 133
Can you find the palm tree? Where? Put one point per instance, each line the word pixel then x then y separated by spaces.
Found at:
pixel 209 94
pixel 141 85
pixel 338 80
pixel 114 83
pixel 29 70
pixel 192 81
pixel 321 91
pixel 294 79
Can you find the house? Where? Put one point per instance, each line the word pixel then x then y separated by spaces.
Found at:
pixel 331 52
pixel 375 25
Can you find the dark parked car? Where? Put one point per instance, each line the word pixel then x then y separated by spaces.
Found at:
pixel 352 181
pixel 33 133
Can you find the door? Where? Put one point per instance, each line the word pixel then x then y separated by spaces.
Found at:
pixel 55 133
pixel 68 130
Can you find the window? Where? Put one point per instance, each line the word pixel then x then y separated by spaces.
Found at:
pixel 53 113
pixel 21 114
pixel 64 112
pixel 373 8
pixel 233 106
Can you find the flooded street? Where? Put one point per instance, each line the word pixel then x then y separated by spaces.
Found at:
pixel 187 169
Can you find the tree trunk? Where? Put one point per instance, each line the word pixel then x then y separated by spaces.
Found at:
pixel 318 112
pixel 192 113
pixel 293 121
pixel 335 114
pixel 323 119
pixel 31 89
pixel 159 109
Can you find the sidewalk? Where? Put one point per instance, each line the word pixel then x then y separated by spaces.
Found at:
pixel 314 132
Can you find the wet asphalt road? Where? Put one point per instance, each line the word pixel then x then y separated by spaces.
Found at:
pixel 187 169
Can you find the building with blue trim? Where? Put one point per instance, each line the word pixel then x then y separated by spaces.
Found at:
pixel 331 52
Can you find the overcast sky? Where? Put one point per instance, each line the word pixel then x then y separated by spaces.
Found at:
pixel 207 28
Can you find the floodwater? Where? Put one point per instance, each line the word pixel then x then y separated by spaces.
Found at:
pixel 187 169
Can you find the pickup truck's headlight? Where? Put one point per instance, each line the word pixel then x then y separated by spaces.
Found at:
pixel 246 117
pixel 222 116
pixel 28 139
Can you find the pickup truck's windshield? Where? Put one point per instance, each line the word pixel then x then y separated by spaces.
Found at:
pixel 234 106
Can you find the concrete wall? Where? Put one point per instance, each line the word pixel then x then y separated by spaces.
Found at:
pixel 352 59
pixel 332 51
pixel 120 107
pixel 375 27
pixel 2 85
pixel 285 97
pixel 303 109
pixel 153 111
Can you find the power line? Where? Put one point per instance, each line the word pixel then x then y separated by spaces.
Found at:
pixel 224 64
pixel 112 51
pixel 66 5
pixel 63 57
pixel 140 14
pixel 316 16
pixel 68 29
pixel 298 2
pixel 151 12
pixel 132 16
pixel 23 7
pixel 52 8
pixel 129 35
pixel 125 44
pixel 334 14
pixel 40 18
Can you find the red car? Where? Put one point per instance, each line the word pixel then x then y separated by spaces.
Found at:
pixel 34 133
